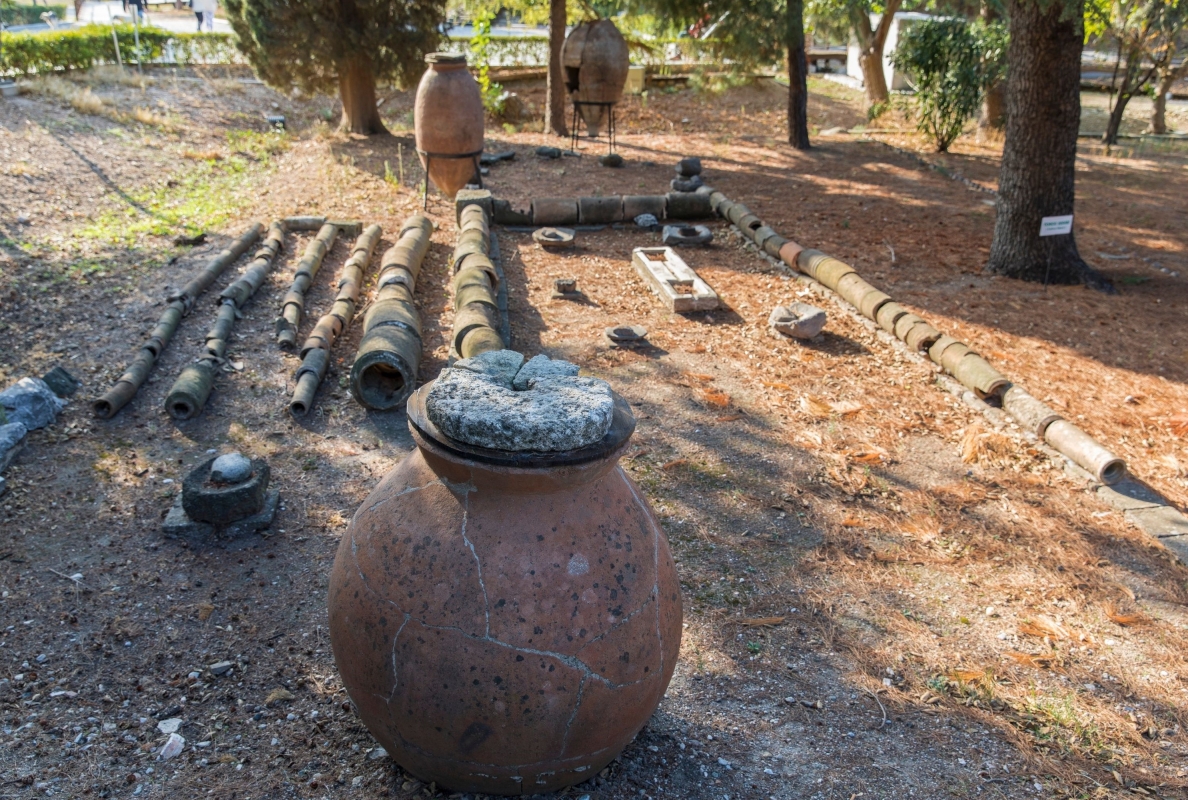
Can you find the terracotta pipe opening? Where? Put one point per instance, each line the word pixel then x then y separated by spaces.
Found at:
pixel 103 409
pixel 1113 472
pixel 180 409
pixel 381 384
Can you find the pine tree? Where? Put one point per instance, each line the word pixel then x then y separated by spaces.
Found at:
pixel 348 45
pixel 752 32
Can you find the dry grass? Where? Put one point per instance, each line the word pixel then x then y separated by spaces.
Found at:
pixel 83 100
pixel 20 169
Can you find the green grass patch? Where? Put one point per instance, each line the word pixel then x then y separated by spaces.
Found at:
pixel 198 198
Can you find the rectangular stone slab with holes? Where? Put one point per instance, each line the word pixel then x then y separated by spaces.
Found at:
pixel 678 285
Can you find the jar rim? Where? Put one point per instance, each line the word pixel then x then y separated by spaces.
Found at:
pixel 446 59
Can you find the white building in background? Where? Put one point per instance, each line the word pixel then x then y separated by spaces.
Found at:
pixel 902 20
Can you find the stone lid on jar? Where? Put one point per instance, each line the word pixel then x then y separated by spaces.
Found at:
pixel 497 409
pixel 445 59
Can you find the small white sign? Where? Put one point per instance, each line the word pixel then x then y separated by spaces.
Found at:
pixel 1056 226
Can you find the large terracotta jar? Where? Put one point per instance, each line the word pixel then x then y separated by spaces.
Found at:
pixel 448 118
pixel 505 623
pixel 596 60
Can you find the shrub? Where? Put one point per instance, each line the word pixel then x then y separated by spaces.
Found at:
pixel 950 64
pixel 13 14
pixel 91 45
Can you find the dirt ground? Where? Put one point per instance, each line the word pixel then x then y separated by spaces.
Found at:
pixel 883 597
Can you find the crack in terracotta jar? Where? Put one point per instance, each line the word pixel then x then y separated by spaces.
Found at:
pixel 505 622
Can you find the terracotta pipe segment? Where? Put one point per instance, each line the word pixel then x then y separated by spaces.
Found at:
pixel 860 294
pixel 350 282
pixel 1030 413
pixel 829 272
pixel 748 224
pixel 303 224
pixel 110 402
pixel 790 254
pixel 905 324
pixel 554 211
pixel 736 212
pixel 473 285
pixel 761 234
pixel 684 205
pixel 479 341
pixel 384 372
pixel 471 316
pixel 193 386
pixel 774 245
pixel 654 204
pixel 947 351
pixel 293 306
pixel 310 375
pixel 718 202
pixel 482 262
pixel 315 353
pixel 888 315
pixel 1085 451
pixel 504 214
pixel 976 373
pixel 921 336
pixel 600 210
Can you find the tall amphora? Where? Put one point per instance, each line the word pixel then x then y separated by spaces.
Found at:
pixel 449 122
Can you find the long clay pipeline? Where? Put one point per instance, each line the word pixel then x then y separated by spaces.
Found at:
pixel 315 354
pixel 180 304
pixel 384 372
pixel 192 388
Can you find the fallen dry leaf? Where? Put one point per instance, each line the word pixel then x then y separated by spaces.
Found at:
pixel 716 399
pixel 1179 424
pixel 1044 627
pixel 815 406
pixel 1126 619
pixel 851 522
pixel 761 622
pixel 1027 660
pixel 204 611
pixel 676 462
pixel 776 385
pixel 967 675
pixel 279 695
pixel 846 407
pixel 867 456
pixel 700 377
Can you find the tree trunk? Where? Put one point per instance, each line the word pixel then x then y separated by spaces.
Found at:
pixel 798 135
pixel 1159 106
pixel 356 87
pixel 1170 75
pixel 1038 176
pixel 994 103
pixel 993 109
pixel 870 56
pixel 1133 64
pixel 555 100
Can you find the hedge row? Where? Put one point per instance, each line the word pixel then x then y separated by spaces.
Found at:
pixel 91 45
pixel 12 14
pixel 524 51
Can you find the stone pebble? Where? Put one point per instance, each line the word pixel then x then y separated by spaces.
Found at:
pixel 231 468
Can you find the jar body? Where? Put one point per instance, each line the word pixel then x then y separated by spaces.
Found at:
pixel 596 60
pixel 448 118
pixel 500 630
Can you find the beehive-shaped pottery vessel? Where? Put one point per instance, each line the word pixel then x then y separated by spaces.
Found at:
pixel 449 122
pixel 596 59
pixel 505 623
